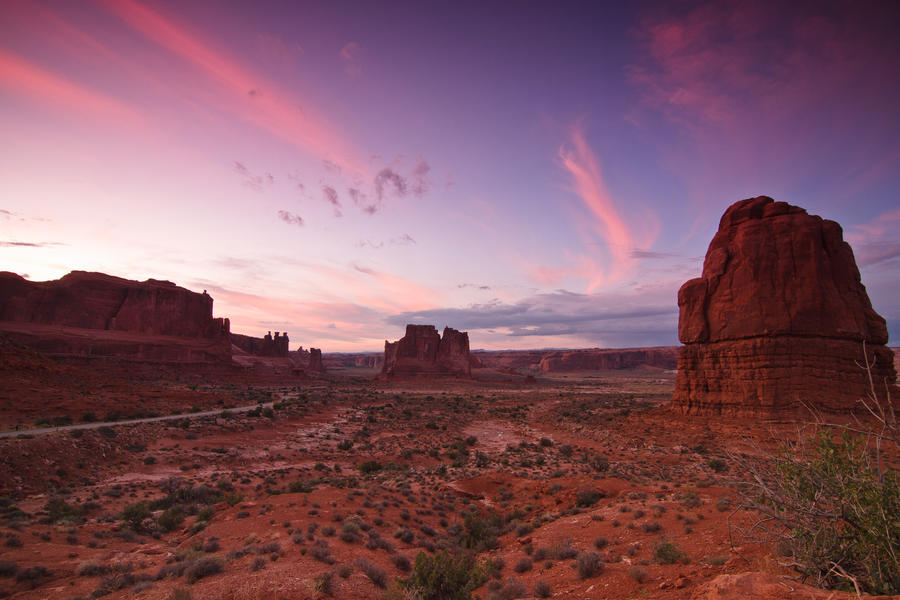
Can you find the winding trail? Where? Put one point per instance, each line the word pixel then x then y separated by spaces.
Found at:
pixel 205 413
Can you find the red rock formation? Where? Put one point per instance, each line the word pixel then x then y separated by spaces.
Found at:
pixel 423 352
pixel 264 346
pixel 777 319
pixel 315 361
pixel 133 316
pixel 563 361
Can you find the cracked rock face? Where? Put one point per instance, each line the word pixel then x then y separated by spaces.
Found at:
pixel 778 318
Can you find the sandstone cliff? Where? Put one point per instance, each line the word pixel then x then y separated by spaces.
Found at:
pixel 422 351
pixel 149 319
pixel 778 317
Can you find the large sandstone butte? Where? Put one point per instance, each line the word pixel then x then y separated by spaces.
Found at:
pixel 423 352
pixel 778 318
pixel 98 314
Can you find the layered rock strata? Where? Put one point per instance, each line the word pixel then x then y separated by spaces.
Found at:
pixel 101 315
pixel 778 319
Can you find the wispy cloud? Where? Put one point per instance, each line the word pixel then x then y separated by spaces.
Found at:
pixel 250 179
pixel 403 240
pixel 331 196
pixel 8 244
pixel 875 243
pixel 351 56
pixel 588 184
pixel 24 78
pixel 420 181
pixel 272 109
pixel 388 179
pixel 602 317
pixel 290 218
pixel 637 253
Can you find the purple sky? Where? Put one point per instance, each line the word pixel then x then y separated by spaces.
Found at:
pixel 539 174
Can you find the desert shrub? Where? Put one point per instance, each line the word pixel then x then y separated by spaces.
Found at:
pixel 523 564
pixel 258 563
pixel 564 550
pixel 324 583
pixel 32 575
pixel 8 568
pixel 836 507
pixel 667 553
pixel 345 444
pixel 171 518
pixel 376 574
pixel 542 589
pixel 587 497
pixel 512 589
pixel 443 576
pixel 600 543
pixel 716 464
pixel 480 533
pixel 588 564
pixel 107 431
pixel 135 513
pixel 321 552
pixel 651 527
pixel 370 466
pixel 13 541
pixel 402 563
pixel 92 568
pixel 58 510
pixel 203 567
pixel 639 574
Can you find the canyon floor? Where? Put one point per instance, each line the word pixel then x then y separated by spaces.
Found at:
pixel 578 485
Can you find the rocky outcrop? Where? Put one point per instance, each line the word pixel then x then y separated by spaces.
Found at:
pixel 315 361
pixel 564 361
pixel 422 351
pixel 99 301
pixel 264 346
pixel 98 315
pixel 777 319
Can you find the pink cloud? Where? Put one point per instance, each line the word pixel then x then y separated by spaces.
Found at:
pixel 588 184
pixel 35 83
pixel 243 92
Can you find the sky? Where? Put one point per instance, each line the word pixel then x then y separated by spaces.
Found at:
pixel 539 174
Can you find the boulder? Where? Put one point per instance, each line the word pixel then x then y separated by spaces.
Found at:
pixel 422 351
pixel 778 318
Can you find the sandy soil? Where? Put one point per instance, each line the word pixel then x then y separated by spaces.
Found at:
pixel 339 487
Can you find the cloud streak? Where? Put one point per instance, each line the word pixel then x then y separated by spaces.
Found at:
pixel 607 319
pixel 270 108
pixel 26 79
pixel 583 167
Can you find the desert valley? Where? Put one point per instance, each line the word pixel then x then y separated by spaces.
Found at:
pixel 449 300
pixel 148 452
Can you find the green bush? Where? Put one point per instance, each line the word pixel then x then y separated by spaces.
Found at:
pixel 667 553
pixel 135 513
pixel 444 576
pixel 840 511
pixel 171 518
